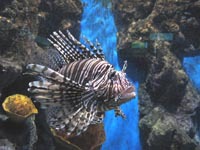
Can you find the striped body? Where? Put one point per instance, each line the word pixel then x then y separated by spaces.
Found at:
pixel 79 92
pixel 86 70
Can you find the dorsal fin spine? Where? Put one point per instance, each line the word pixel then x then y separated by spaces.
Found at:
pixel 64 46
pixel 59 50
pixel 64 50
pixel 92 47
pixel 71 49
pixel 80 45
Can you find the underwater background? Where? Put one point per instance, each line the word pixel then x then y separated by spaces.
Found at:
pixel 160 40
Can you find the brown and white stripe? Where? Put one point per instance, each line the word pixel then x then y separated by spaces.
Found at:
pixel 81 90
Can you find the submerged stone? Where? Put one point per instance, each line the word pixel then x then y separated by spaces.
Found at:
pixel 5 144
pixel 90 139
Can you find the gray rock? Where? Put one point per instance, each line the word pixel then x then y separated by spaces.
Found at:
pixel 168 103
pixel 24 28
pixel 5 144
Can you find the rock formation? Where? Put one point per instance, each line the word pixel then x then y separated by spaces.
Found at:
pixel 168 102
pixel 24 27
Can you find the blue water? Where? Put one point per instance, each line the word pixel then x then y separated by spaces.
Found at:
pixel 98 23
pixel 192 68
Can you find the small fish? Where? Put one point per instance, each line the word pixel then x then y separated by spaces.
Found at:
pixel 85 85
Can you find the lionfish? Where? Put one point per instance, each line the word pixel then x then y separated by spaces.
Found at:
pixel 82 89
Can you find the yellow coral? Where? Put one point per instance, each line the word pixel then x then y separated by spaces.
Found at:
pixel 19 107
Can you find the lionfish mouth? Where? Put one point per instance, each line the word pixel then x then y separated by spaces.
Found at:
pixel 126 95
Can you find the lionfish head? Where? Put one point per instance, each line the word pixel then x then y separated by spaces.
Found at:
pixel 122 89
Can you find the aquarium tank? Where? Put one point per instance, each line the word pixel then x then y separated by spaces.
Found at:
pixel 99 75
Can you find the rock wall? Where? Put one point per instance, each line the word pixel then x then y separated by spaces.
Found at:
pixel 168 102
pixel 24 27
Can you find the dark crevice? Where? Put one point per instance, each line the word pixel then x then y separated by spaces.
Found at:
pixel 4 4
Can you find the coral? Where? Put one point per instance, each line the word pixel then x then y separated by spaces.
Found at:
pixel 168 102
pixel 19 107
pixel 24 28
